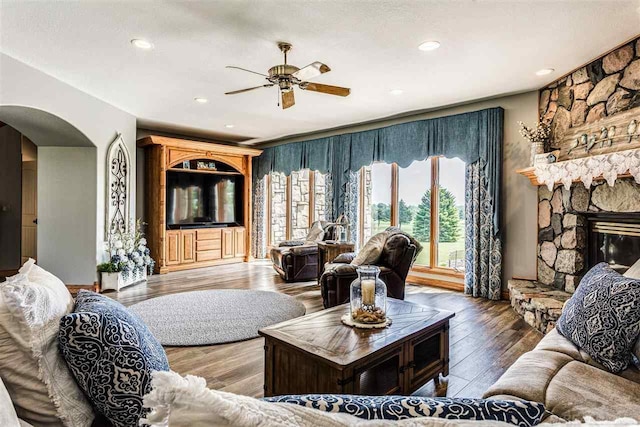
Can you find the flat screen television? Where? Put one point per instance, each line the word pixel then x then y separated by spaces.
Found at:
pixel 199 199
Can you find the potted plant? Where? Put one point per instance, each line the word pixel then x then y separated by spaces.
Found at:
pixel 537 136
pixel 129 259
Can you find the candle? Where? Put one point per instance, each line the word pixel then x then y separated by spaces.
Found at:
pixel 368 291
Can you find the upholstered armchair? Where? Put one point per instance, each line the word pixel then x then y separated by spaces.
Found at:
pixel 297 261
pixel 398 253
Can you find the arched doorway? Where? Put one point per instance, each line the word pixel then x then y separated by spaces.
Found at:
pixel 51 183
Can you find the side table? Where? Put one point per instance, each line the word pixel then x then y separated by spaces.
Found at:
pixel 328 250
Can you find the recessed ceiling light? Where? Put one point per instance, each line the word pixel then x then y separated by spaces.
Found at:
pixel 545 71
pixel 429 45
pixel 142 44
pixel 229 126
pixel 396 92
pixel 201 100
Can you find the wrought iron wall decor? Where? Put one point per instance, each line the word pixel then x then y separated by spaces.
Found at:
pixel 118 187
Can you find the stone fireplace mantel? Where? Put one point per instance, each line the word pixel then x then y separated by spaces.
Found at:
pixel 609 167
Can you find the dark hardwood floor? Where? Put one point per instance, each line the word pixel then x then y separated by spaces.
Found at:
pixel 486 337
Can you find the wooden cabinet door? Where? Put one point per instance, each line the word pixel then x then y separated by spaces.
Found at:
pixel 427 356
pixel 228 250
pixel 188 246
pixel 240 242
pixel 172 253
pixel 384 375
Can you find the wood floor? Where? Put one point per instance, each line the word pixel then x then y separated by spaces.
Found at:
pixel 486 337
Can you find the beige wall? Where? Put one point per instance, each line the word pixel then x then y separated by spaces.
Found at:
pixel 519 200
pixel 99 122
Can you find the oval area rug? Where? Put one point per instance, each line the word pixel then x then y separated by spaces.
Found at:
pixel 215 316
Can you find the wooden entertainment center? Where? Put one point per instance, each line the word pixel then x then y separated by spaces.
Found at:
pixel 184 248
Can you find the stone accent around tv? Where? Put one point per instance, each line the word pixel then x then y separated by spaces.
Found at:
pixel 563 226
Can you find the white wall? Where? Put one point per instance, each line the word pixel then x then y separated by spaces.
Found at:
pixel 23 85
pixel 67 212
pixel 519 197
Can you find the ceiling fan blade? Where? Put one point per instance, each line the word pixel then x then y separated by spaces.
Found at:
pixel 244 69
pixel 288 100
pixel 331 90
pixel 245 90
pixel 310 71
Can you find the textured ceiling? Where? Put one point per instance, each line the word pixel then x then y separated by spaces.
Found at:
pixel 488 48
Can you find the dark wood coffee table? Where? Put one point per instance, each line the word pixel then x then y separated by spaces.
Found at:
pixel 318 354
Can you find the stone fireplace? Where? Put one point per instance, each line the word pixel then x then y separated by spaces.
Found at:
pixel 577 228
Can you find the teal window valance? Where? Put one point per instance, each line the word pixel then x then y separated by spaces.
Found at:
pixel 473 137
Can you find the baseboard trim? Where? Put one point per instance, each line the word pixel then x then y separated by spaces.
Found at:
pixel 452 286
pixel 419 280
pixel 74 289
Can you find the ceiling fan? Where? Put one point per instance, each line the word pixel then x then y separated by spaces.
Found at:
pixel 287 76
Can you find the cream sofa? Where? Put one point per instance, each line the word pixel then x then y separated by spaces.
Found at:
pixel 569 383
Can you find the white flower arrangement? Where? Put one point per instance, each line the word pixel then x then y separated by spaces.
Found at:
pixel 127 251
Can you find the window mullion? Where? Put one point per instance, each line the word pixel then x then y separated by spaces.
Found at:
pixel 312 197
pixel 361 206
pixel 269 207
pixel 288 208
pixel 435 189
pixel 395 214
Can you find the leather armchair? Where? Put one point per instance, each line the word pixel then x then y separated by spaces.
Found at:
pixel 396 259
pixel 296 263
pixel 297 260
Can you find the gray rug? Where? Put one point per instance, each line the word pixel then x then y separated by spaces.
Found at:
pixel 215 317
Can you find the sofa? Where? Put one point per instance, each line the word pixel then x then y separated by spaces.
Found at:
pixel 297 261
pixel 569 383
pixel 397 256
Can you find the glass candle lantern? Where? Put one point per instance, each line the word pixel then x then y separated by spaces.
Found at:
pixel 368 296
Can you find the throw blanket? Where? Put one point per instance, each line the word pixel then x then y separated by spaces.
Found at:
pixel 178 401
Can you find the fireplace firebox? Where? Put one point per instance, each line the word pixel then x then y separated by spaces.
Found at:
pixel 613 238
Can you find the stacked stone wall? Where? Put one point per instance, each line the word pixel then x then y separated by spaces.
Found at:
pixel 604 87
pixel 562 227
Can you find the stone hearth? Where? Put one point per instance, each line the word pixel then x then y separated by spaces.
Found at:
pixel 539 304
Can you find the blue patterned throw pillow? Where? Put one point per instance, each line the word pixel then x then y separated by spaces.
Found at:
pixel 603 317
pixel 520 413
pixel 111 354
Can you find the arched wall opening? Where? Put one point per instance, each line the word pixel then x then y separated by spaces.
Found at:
pixel 66 193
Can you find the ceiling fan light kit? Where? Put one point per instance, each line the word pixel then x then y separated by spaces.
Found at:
pixel 286 77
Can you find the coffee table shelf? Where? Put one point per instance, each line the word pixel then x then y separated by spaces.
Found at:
pixel 318 354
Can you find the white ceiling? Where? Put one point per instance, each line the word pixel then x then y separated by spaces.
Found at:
pixel 488 48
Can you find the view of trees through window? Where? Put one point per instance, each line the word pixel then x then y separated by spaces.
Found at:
pixel 414 206
pixel 296 201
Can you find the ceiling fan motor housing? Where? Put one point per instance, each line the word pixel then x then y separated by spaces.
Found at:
pixel 282 76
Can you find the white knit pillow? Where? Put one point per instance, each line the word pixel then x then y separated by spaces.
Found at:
pixel 34 372
pixel 372 250
pixel 316 233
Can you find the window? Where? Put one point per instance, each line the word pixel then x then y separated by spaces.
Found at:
pixel 376 199
pixel 451 213
pixel 277 207
pixel 425 199
pixel 293 203
pixel 320 196
pixel 300 197
pixel 414 205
